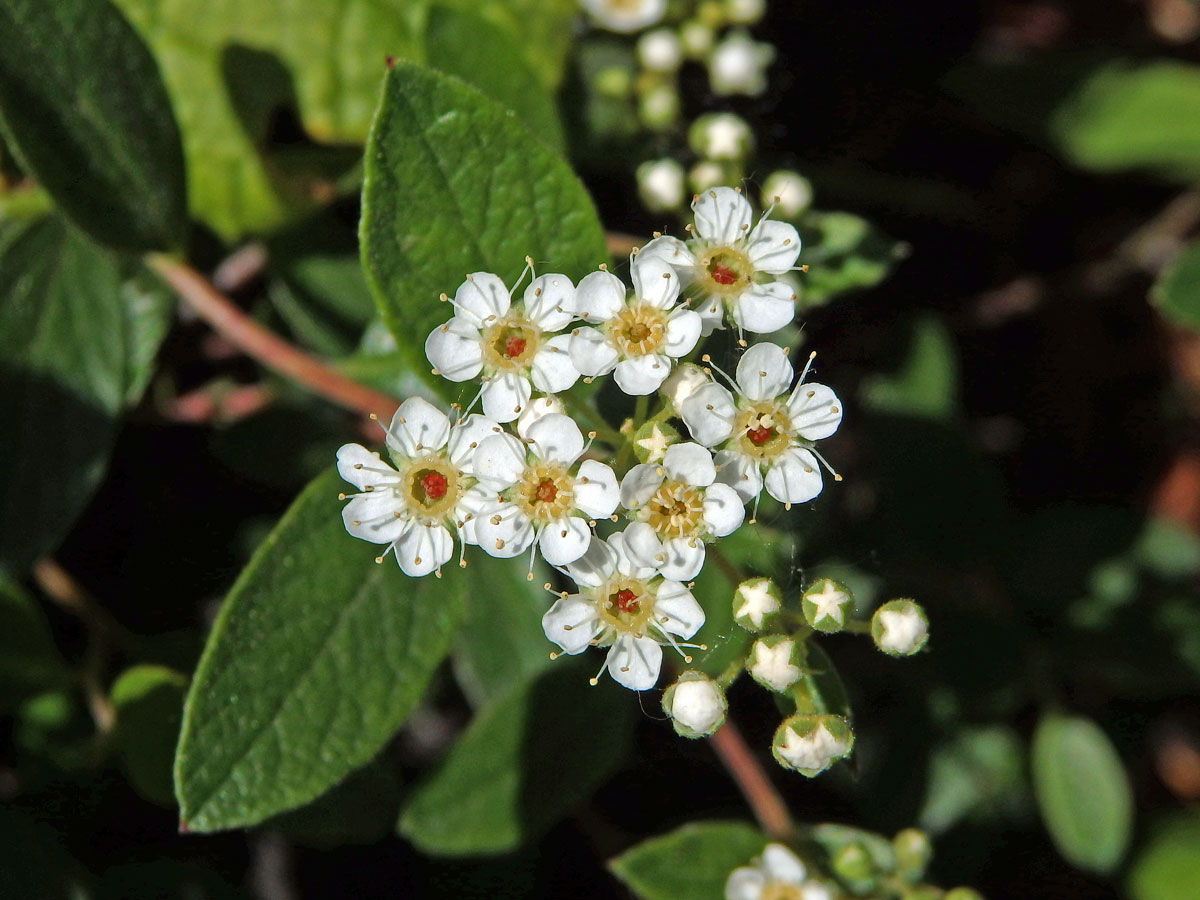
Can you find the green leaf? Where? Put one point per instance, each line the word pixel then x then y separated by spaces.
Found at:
pixel 981 771
pixel 1168 867
pixel 544 27
pixel 844 253
pixel 29 661
pixel 79 328
pixel 820 689
pixel 1177 291
pixel 453 184
pixel 526 759
pixel 927 383
pixel 1130 116
pixel 360 810
pixel 82 102
pixel 690 863
pixel 317 657
pixel 1082 791
pixel 149 704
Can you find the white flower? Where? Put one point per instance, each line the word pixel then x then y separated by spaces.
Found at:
pixel 508 343
pixel 790 192
pixel 660 184
pixel 810 744
pixel 639 337
pixel 738 65
pixel 629 608
pixel 409 507
pixel 778 875
pixel 539 493
pixel 900 628
pixel 731 266
pixel 677 506
pixel 696 705
pixel 659 50
pixel 772 662
pixel 756 602
pixel 625 15
pixel 765 431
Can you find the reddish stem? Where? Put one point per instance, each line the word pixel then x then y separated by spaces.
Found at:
pixel 768 807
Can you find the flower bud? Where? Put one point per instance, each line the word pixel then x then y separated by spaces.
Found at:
pixel 913 853
pixel 791 193
pixel 738 65
pixel 924 892
pixel 613 81
pixel 745 12
pixel 826 605
pixel 660 50
pixel 721 136
pixel 810 744
pixel 900 628
pixel 711 13
pixel 707 174
pixel 658 107
pixel 962 893
pixel 650 442
pixel 852 864
pixel 696 705
pixel 682 383
pixel 775 662
pixel 756 603
pixel 660 185
pixel 696 39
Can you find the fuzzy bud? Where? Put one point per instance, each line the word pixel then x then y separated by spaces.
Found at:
pixel 721 136
pixel 790 192
pixel 913 853
pixel 696 705
pixel 900 628
pixel 660 50
pixel 826 605
pixel 776 662
pixel 756 604
pixel 660 185
pixel 810 744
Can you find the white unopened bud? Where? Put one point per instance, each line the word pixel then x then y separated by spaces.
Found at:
pixel 810 744
pixel 660 185
pixel 756 603
pixel 696 38
pixel 775 662
pixel 625 16
pixel 900 628
pixel 682 383
pixel 696 705
pixel 706 175
pixel 721 136
pixel 790 192
pixel 745 12
pixel 826 605
pixel 660 50
pixel 738 65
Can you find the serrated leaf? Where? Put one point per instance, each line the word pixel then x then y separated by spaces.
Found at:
pixel 526 760
pixel 79 328
pixel 317 657
pixel 82 101
pixel 453 184
pixel 690 863
pixel 1177 291
pixel 29 661
pixel 148 701
pixel 1082 791
pixel 1168 866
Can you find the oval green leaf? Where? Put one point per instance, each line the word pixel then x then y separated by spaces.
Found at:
pixel 1177 290
pixel 317 657
pixel 1082 791
pixel 1168 867
pixel 690 863
pixel 148 700
pixel 82 101
pixel 453 184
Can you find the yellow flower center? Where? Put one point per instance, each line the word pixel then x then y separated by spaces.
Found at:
pixel 761 430
pixel 545 492
pixel 509 344
pixel 431 488
pixel 676 509
pixel 723 271
pixel 626 604
pixel 638 329
pixel 777 890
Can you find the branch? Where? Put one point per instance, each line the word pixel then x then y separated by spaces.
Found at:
pixel 766 803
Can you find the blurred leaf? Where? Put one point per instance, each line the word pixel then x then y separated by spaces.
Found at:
pixel 831 838
pixel 690 863
pixel 439 203
pixel 1133 116
pixel 149 705
pixel 1167 549
pixel 29 661
pixel 544 27
pixel 360 810
pixel 316 659
pixel 844 252
pixel 79 328
pixel 927 383
pixel 979 772
pixel 501 643
pixel 1082 792
pixel 82 101
pixel 527 759
pixel 166 879
pixel 1168 866
pixel 1177 290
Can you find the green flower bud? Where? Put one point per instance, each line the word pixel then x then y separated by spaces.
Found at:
pixel 827 604
pixel 613 81
pixel 924 892
pixel 854 865
pixel 963 893
pixel 810 744
pixel 745 12
pixel 900 628
pixel 658 107
pixel 697 39
pixel 756 604
pixel 651 441
pixel 711 13
pixel 776 661
pixel 696 705
pixel 913 852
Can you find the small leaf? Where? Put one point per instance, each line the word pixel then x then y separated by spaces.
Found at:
pixel 29 661
pixel 149 704
pixel 1082 791
pixel 690 863
pixel 82 101
pixel 1177 290
pixel 317 657
pixel 844 252
pixel 453 184
pixel 1168 866
pixel 526 760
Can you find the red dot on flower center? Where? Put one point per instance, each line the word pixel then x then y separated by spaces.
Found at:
pixel 434 485
pixel 722 274
pixel 627 600
pixel 546 491
pixel 514 346
pixel 759 436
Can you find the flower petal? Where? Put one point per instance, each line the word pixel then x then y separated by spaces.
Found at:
pixel 781 864
pixel 596 491
pixel 675 603
pixel 542 406
pixel 466 436
pixel 634 662
pixel 672 251
pixel 794 476
pixel 418 427
pixel 639 484
pixel 711 311
pixel 499 461
pixel 503 531
pixel 682 332
pixel 552 370
pixel 642 374
pixel 423 548
pixel 453 349
pixel 691 463
pixel 643 546
pixel 481 299
pixel 773 246
pixel 684 558
pixel 709 413
pixel 599 297
pixel 626 564
pixel 815 411
pixel 363 468
pixel 556 438
pixel 505 396
pixel 764 308
pixel 764 372
pixel 591 353
pixel 724 511
pixel 550 302
pixel 571 623
pixel 564 540
pixel 378 517
pixel 596 566
pixel 739 473
pixel 722 215
pixel 654 281
pixel 745 883
pixel 473 502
